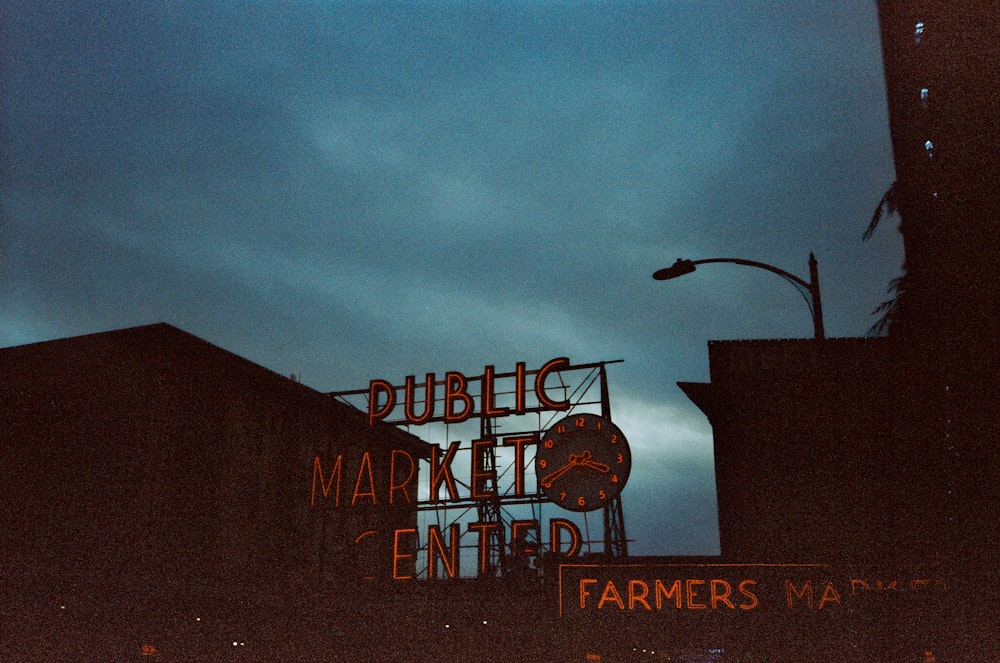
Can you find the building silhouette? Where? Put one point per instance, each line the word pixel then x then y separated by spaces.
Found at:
pixel 883 452
pixel 942 73
pixel 155 485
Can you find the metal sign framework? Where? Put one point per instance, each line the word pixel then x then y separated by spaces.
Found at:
pixel 495 509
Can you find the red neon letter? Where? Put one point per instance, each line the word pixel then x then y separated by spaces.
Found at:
pixel 583 590
pixel 366 462
pixel 689 586
pixel 520 371
pixel 442 473
pixel 720 593
pixel 488 396
pixel 409 397
pixel 484 533
pixel 637 596
pixel 434 543
pixel 480 448
pixel 393 486
pixel 455 385
pixel 396 555
pixel 543 372
pixel 325 485
pixel 611 595
pixel 662 593
pixel 375 413
pixel 806 593
pixel 555 544
pixel 830 595
pixel 518 537
pixel 519 442
pixel 745 591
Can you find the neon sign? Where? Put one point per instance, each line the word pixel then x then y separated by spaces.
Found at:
pixel 459 406
pixel 350 488
pixel 648 591
pixel 362 478
pixel 446 549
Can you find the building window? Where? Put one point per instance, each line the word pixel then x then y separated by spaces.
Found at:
pixel 924 97
pixel 918 32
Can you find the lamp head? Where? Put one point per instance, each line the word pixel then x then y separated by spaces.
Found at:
pixel 679 268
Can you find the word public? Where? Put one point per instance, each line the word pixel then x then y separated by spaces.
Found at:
pixel 459 405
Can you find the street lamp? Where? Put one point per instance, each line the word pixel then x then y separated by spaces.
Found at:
pixel 810 287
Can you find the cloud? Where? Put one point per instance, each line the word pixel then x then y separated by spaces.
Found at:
pixel 349 191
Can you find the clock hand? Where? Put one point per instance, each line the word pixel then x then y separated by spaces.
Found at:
pixel 574 460
pixel 600 467
pixel 547 481
pixel 585 460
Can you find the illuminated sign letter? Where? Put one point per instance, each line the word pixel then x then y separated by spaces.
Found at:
pixel 376 413
pixel 519 442
pixel 637 596
pixel 488 407
pixel 611 595
pixel 520 371
pixel 484 532
pixel 691 594
pixel 543 372
pixel 583 590
pixel 830 595
pixel 393 486
pixel 749 594
pixel 397 556
pixel 806 592
pixel 435 550
pixel 366 464
pixel 556 525
pixel 455 385
pixel 480 475
pixel 442 473
pixel 519 541
pixel 662 592
pixel 409 398
pixel 326 485
pixel 720 591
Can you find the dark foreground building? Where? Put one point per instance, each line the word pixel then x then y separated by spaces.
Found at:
pixel 942 74
pixel 882 455
pixel 857 454
pixel 157 489
pixel 165 499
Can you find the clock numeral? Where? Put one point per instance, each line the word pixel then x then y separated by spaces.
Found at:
pixel 580 501
pixel 561 428
pixel 621 459
pixel 614 478
pixel 581 422
pixel 542 463
pixel 600 424
pixel 614 438
pixel 602 495
pixel 562 496
pixel 549 443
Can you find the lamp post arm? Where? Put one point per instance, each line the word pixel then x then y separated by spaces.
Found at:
pixel 753 263
pixel 811 286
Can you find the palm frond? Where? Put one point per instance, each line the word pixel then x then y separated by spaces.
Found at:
pixel 888 311
pixel 887 205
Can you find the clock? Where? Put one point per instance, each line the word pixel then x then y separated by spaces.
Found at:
pixel 582 462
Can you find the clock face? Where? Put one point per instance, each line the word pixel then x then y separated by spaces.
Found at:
pixel 582 462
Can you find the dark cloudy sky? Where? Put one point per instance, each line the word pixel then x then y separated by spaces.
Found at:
pixel 358 190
